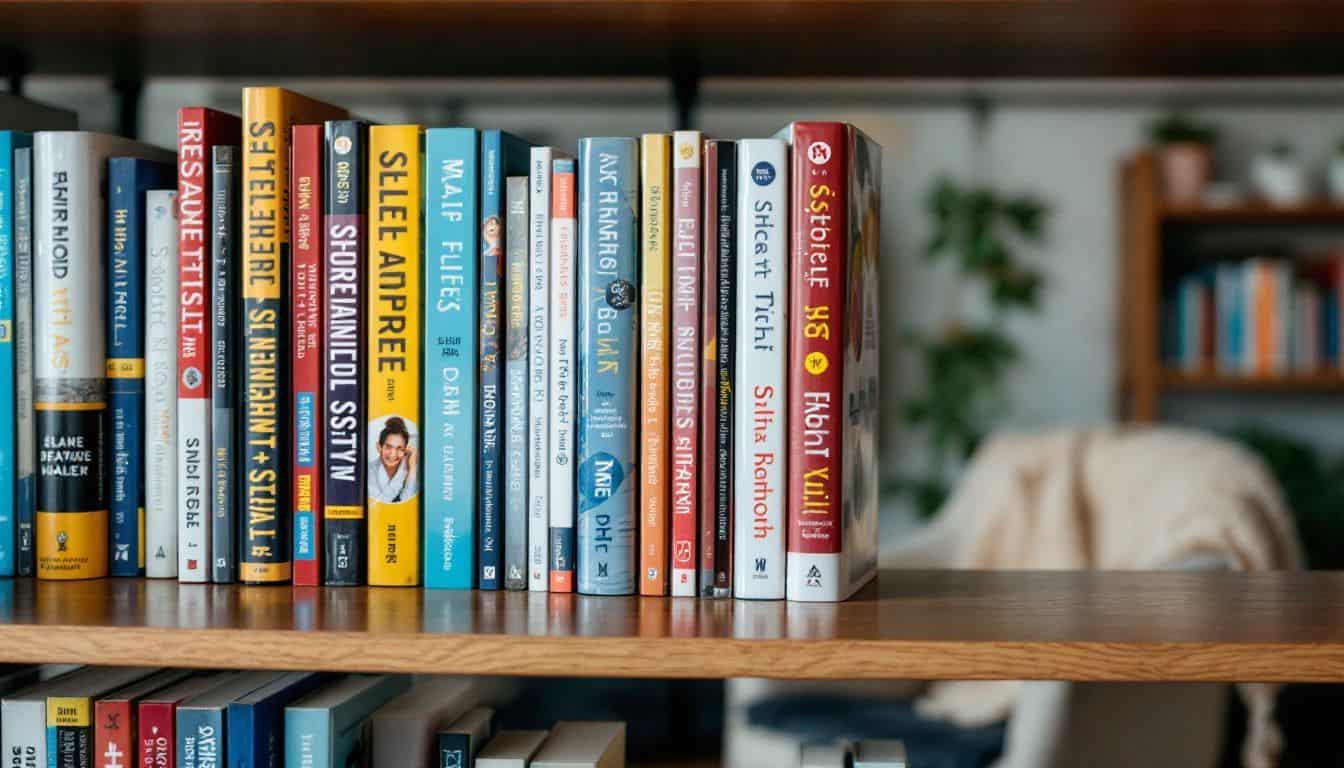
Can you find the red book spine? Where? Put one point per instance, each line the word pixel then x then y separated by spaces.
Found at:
pixel 816 342
pixel 709 318
pixel 114 734
pixel 155 734
pixel 685 465
pixel 307 289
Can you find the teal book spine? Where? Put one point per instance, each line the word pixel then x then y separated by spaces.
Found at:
pixel 10 143
pixel 608 364
pixel 452 216
pixel 307 737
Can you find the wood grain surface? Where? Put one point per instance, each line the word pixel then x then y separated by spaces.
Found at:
pixel 913 624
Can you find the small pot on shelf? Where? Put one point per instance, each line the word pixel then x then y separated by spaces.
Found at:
pixel 1277 176
pixel 1184 157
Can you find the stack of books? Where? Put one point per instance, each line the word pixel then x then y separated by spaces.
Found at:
pixel 447 357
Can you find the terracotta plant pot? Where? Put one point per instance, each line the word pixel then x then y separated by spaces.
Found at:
pixel 1185 172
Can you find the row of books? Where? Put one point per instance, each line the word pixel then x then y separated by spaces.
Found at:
pixel 447 357
pixel 131 717
pixel 1257 317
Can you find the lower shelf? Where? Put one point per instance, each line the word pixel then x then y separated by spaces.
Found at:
pixel 910 624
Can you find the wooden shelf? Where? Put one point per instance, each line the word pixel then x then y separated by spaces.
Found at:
pixel 902 38
pixel 915 624
pixel 1325 381
pixel 1256 213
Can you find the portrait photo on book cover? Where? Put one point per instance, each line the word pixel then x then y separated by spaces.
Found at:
pixel 394 446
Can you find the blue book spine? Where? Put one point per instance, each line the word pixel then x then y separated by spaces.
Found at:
pixel 608 362
pixel 256 725
pixel 1330 317
pixel 200 737
pixel 454 750
pixel 245 745
pixel 127 181
pixel 26 511
pixel 451 323
pixel 307 737
pixel 9 470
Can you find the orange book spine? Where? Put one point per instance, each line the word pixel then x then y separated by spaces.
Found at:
pixel 655 278
pixel 1265 308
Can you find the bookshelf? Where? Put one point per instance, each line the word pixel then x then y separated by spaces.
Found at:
pixel 1145 221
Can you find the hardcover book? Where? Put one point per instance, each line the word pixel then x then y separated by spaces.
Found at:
pixel 709 370
pixel 254 724
pixel 306 321
pixel 502 155
pixel 160 446
pixel 114 719
pixel 760 386
pixel 268 116
pixel 198 130
pixel 25 509
pixel 576 744
pixel 70 709
pixel 685 354
pixel 224 358
pixel 70 230
pixel 10 142
pixel 344 457
pixel 538 370
pixel 464 737
pixel 451 326
pixel 202 720
pixel 511 749
pixel 395 152
pixel 726 297
pixel 607 354
pixel 655 275
pixel 564 228
pixel 516 243
pixel 330 728
pixel 156 727
pixel 128 180
pixel 406 729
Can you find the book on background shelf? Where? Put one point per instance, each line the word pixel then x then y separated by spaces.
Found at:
pixel 268 116
pixel 10 143
pixel 464 737
pixel 224 359
pixel 517 240
pixel 655 320
pixel 452 172
pixel 608 307
pixel 406 730
pixel 128 180
pixel 199 130
pixel 25 508
pixel 114 740
pixel 307 268
pixel 725 331
pixel 824 756
pixel 583 744
pixel 879 753
pixel 394 322
pixel 685 356
pixel 511 749
pixel 539 377
pixel 156 727
pixel 331 728
pixel 760 387
pixel 202 738
pixel 70 172
pixel 564 233
pixel 254 724
pixel 344 456
pixel 160 444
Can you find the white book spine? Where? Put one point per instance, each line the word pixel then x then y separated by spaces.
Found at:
pixel 161 384
pixel 760 407
pixel 564 232
pixel 23 732
pixel 539 269
pixel 194 410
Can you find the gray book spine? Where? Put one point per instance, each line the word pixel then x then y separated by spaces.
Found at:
pixel 517 241
pixel 223 363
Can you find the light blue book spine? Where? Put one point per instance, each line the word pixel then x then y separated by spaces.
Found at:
pixel 452 172
pixel 307 737
pixel 608 364
pixel 200 737
pixel 9 473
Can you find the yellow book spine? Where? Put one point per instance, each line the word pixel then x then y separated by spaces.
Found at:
pixel 655 279
pixel 396 161
pixel 69 712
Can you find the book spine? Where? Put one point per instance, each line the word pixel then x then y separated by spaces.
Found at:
pixel 197 130
pixel 454 750
pixel 655 276
pixel 515 384
pixel 161 384
pixel 608 267
pixel 200 734
pixel 71 383
pixel 491 275
pixel 26 449
pixel 224 481
pixel 23 733
pixel 344 462
pixel 709 381
pixel 155 734
pixel 242 745
pixel 307 739
pixel 760 408
pixel 564 229
pixel 817 279
pixel 725 366
pixel 451 325
pixel 685 354
pixel 394 354
pixel 69 732
pixel 114 733
pixel 538 380
pixel 8 440
pixel 307 363
pixel 264 524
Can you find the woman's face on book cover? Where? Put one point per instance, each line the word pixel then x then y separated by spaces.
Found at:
pixel 392 450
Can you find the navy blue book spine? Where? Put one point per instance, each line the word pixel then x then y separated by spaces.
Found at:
pixel 256 729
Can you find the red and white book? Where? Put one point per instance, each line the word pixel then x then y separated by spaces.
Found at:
pixel 307 291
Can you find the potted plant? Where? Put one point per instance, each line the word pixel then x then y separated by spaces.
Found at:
pixel 1335 173
pixel 1184 156
pixel 1276 175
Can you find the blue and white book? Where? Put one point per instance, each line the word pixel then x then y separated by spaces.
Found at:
pixel 330 728
pixel 502 155
pixel 255 723
pixel 538 370
pixel 10 143
pixel 608 364
pixel 201 721
pixel 451 317
pixel 128 179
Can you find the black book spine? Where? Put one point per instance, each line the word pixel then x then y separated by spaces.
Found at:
pixel 343 377
pixel 726 295
pixel 224 312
